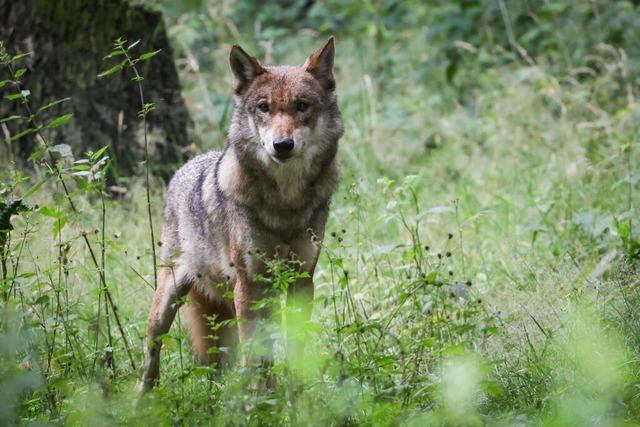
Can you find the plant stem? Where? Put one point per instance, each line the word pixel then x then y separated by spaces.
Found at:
pixel 143 113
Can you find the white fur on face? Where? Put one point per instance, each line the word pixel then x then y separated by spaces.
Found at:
pixel 267 138
pixel 291 174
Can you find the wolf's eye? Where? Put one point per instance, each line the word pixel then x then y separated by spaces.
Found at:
pixel 302 106
pixel 264 107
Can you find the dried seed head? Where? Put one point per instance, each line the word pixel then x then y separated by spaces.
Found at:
pixel 426 248
pixel 468 283
pixel 448 254
pixel 450 236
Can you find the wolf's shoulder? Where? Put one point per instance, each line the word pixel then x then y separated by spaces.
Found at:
pixel 187 177
pixel 191 170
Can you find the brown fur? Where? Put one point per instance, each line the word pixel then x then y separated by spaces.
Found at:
pixel 200 312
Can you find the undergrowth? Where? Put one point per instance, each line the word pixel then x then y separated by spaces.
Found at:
pixel 480 264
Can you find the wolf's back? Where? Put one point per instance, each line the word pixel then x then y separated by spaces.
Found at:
pixel 184 211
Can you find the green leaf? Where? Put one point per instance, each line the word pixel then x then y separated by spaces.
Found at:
pixel 21 134
pixel 8 119
pixel 19 56
pixel 36 155
pixel 428 342
pixel 59 225
pixel 59 121
pixel 95 156
pixel 148 55
pixel 34 188
pixel 385 361
pixel 111 70
pixel 52 104
pixel 431 277
pixel 132 45
pixel 114 53
pixel 19 73
pixel 491 330
pixel 119 42
pixel 47 211
pixel 42 300
pixel 5 82
pixel 13 96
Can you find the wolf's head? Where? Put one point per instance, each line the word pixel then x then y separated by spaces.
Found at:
pixel 285 114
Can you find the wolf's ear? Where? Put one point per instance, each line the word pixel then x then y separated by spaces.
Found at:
pixel 320 64
pixel 245 68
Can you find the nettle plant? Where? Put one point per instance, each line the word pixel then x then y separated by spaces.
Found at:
pixel 40 293
pixel 399 311
pixel 127 60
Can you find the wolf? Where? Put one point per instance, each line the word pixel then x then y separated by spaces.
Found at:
pixel 265 196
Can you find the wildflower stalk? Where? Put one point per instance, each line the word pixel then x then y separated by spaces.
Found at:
pixel 145 108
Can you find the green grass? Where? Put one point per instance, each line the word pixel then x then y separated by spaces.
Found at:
pixel 522 311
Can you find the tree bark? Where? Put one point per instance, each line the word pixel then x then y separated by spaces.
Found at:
pixel 67 40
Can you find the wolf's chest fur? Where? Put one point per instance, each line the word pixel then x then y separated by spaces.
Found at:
pixel 282 199
pixel 217 195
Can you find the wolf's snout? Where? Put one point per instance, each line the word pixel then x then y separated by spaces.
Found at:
pixel 283 146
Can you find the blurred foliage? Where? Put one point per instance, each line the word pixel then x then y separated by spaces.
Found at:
pixel 560 33
pixel 480 265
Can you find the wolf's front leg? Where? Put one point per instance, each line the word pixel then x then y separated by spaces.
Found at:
pixel 300 294
pixel 166 301
pixel 254 342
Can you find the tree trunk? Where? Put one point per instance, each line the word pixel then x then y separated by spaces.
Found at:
pixel 67 40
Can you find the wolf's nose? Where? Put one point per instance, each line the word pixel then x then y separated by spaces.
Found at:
pixel 283 145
